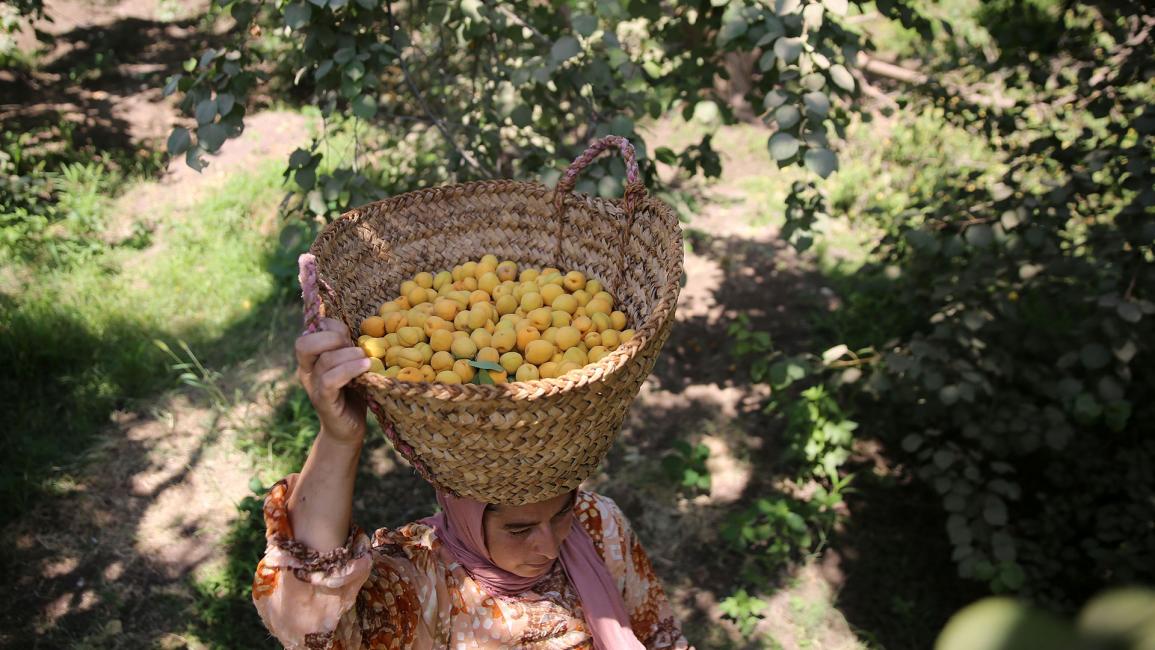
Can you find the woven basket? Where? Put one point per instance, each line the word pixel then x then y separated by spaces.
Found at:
pixel 520 442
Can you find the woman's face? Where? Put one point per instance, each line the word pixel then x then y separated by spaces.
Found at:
pixel 525 540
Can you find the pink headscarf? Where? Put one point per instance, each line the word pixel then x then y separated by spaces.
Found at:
pixel 460 528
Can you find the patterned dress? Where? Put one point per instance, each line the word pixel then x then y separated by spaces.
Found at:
pixel 396 591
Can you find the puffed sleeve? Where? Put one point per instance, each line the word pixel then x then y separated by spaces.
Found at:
pixel 304 596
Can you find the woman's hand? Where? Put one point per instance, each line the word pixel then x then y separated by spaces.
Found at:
pixel 326 363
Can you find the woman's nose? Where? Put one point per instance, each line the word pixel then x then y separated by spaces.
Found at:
pixel 545 543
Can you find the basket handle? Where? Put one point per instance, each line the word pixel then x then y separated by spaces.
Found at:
pixel 311 287
pixel 635 190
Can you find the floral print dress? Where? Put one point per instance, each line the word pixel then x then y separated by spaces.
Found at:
pixel 395 590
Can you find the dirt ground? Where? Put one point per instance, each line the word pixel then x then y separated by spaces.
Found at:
pixel 155 499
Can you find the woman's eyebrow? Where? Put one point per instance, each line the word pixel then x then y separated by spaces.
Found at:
pixel 529 524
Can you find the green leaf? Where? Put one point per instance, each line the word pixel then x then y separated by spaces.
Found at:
pixel 841 77
pixel 979 235
pixel 1094 356
pixel 788 48
pixel 838 7
pixel 193 158
pixel 584 24
pixel 766 61
pixel 817 104
pixel 995 511
pixel 783 7
pixel 323 69
pixel 206 111
pixel 306 178
pixel 255 486
pixel 190 65
pixel 225 103
pixel 787 116
pixel 365 106
pixel 211 137
pixel 172 85
pixel 297 15
pixel 564 49
pixel 783 146
pixel 355 70
pixel 731 30
pixel 774 99
pixel 1129 312
pixel 178 141
pixel 485 365
pixel 813 81
pixel 821 161
pixel 522 116
pixel 300 158
pixel 483 377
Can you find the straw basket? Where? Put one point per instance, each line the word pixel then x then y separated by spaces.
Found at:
pixel 520 442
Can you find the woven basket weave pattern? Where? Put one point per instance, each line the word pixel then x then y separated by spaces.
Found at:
pixel 520 442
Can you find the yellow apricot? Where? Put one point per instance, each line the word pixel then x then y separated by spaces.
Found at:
pixel 592 339
pixel 503 289
pixel 444 290
pixel 478 296
pixel 593 287
pixel 468 269
pixel 627 335
pixel 499 378
pixel 551 279
pixel 601 322
pixel 393 339
pixel 538 351
pixel 611 338
pixel 462 369
pixel 464 348
pixel 576 355
pixel 559 318
pixel 392 356
pixel 507 270
pixel 410 335
pixel 447 377
pixel 410 374
pixel 388 308
pixel 504 339
pixel 457 273
pixel 567 337
pixel 527 372
pixel 489 258
pixel 435 323
pixel 582 297
pixel 445 308
pixel 441 360
pixel 426 351
pixel 597 353
pixel 550 334
pixel 469 284
pixel 618 320
pixel 402 302
pixel 565 367
pixel 373 326
pixel 527 335
pixel 442 279
pixel 482 338
pixel 374 347
pixel 583 323
pixel 550 292
pixel 395 321
pixel 506 305
pixel 392 371
pixel 459 297
pixel 418 295
pixel 566 303
pixel 364 337
pixel 598 306
pixel 417 318
pixel 488 354
pixel 511 361
pixel 407 286
pixel 428 373
pixel 541 318
pixel 441 340
pixel 573 281
pixel 548 370
pixel 488 282
pixel 531 301
pixel 461 320
pixel 528 275
pixel 424 280
pixel 478 315
pixel 410 358
pixel 376 366
pixel 550 270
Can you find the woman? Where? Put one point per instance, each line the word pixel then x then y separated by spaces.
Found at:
pixel 567 572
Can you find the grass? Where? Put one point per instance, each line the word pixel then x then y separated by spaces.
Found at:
pixel 79 339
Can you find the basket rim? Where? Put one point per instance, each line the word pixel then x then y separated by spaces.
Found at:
pixel 647 331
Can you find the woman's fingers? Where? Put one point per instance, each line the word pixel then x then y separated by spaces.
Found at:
pixel 310 346
pixel 335 378
pixel 333 358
